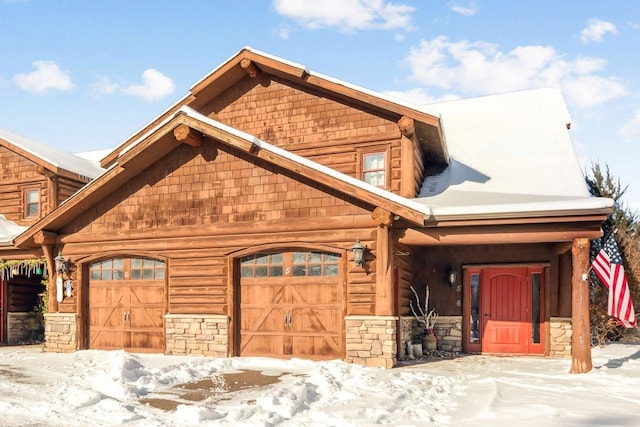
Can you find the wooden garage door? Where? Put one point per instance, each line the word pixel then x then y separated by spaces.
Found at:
pixel 291 305
pixel 127 305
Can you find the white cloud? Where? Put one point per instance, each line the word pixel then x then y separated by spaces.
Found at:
pixel 155 86
pixel 283 33
pixel 596 29
pixel 104 86
pixel 631 130
pixel 47 75
pixel 348 15
pixel 470 10
pixel 419 96
pixel 480 68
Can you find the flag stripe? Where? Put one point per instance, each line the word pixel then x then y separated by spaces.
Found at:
pixel 608 267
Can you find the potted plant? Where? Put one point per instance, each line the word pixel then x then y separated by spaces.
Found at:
pixel 427 319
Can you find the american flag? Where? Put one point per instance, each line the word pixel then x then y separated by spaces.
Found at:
pixel 608 266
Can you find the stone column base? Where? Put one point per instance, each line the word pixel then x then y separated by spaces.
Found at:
pixel 560 332
pixel 371 340
pixel 61 332
pixel 197 334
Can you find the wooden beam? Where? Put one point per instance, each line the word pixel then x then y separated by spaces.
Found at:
pixel 46 172
pixel 406 126
pixel 184 133
pixel 384 273
pixel 561 248
pixel 581 333
pixel 525 233
pixel 299 228
pixel 249 67
pixel 382 216
pixel 44 237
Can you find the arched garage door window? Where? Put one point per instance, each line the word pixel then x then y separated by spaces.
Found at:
pixel 291 305
pixel 127 304
pixel 128 268
pixel 296 264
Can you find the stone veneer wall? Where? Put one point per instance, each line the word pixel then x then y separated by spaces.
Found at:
pixel 204 335
pixel 17 328
pixel 371 340
pixel 406 335
pixel 560 332
pixel 449 333
pixel 448 330
pixel 61 332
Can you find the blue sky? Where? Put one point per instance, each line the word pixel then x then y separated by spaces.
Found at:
pixel 84 75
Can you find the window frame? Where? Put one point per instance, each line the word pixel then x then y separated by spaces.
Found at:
pixel 328 265
pixel 121 268
pixel 25 202
pixel 384 151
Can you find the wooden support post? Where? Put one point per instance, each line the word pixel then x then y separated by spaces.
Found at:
pixel 408 181
pixel 384 272
pixel 407 154
pixel 47 240
pixel 581 338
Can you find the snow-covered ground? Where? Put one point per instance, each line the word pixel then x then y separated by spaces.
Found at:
pixel 97 388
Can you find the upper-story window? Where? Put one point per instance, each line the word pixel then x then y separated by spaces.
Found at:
pixel 374 169
pixel 31 202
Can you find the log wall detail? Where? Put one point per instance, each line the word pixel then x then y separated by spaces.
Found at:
pixel 199 205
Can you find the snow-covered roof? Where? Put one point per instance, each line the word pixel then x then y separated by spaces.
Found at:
pixel 53 156
pixel 9 230
pixel 511 155
pixel 94 156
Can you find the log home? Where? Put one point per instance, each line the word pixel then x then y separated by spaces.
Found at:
pixel 228 226
pixel 34 180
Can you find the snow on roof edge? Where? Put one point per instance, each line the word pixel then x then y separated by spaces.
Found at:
pixel 9 230
pixel 513 210
pixel 72 163
pixel 379 95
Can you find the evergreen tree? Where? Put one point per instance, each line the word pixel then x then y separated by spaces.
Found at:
pixel 624 223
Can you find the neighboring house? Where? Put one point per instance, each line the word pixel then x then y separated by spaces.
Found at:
pixel 34 180
pixel 226 226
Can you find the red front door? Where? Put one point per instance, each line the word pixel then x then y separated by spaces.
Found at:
pixel 504 310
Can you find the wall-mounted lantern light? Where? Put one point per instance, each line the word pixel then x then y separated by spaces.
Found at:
pixel 452 275
pixel 358 253
pixel 61 264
